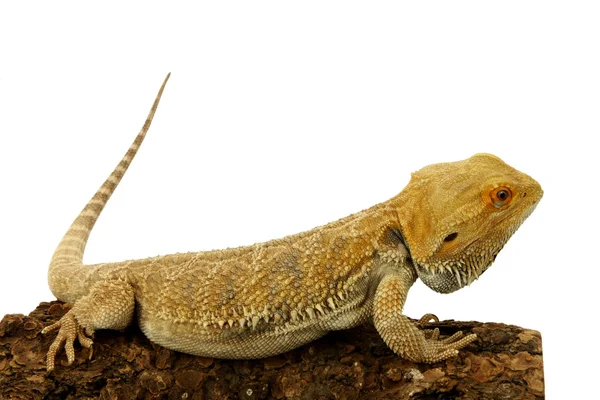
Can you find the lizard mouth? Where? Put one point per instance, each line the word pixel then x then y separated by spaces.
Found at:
pixel 447 278
pixel 444 280
pixel 441 281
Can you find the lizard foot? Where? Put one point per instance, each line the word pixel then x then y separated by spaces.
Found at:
pixel 426 319
pixel 435 350
pixel 405 337
pixel 438 350
pixel 434 334
pixel 68 330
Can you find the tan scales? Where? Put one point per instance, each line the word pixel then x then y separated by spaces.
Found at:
pixel 445 227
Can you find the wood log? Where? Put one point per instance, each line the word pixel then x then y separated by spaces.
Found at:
pixel 505 362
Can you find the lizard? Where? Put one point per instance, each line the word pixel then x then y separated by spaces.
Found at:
pixel 445 227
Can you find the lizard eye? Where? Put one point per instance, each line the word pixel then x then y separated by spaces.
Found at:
pixel 501 196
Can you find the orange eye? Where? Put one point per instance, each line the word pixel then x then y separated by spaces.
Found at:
pixel 501 196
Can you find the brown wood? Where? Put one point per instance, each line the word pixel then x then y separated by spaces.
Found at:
pixel 505 362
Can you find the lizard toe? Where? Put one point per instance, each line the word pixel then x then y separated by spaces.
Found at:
pixel 69 330
pixel 428 318
pixel 451 339
pixel 439 350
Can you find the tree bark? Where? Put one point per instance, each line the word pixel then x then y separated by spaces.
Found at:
pixel 505 362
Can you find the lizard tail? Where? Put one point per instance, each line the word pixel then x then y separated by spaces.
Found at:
pixel 71 247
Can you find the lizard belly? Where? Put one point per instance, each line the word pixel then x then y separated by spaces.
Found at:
pixel 233 343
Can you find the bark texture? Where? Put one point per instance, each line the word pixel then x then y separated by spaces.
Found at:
pixel 505 362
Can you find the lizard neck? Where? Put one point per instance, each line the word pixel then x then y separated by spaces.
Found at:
pixel 370 229
pixel 353 246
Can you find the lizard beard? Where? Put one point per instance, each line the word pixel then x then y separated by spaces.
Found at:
pixel 440 281
pixel 446 278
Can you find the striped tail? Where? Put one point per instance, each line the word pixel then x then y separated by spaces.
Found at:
pixel 71 247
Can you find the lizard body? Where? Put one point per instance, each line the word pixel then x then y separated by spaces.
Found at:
pixel 445 228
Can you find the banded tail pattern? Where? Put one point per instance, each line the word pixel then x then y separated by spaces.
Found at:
pixel 71 247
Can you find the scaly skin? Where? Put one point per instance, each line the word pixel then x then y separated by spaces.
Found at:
pixel 445 227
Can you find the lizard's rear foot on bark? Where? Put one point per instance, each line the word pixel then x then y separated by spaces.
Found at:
pixel 68 330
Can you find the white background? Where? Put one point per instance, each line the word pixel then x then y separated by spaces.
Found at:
pixel 281 117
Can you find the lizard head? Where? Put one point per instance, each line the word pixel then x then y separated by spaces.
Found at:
pixel 457 217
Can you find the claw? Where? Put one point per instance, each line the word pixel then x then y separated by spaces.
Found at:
pixel 441 349
pixel 51 328
pixel 68 330
pixel 85 341
pixel 428 318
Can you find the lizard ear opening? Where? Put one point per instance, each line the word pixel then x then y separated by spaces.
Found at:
pixel 451 237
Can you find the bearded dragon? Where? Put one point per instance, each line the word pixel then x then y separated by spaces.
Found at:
pixel 445 227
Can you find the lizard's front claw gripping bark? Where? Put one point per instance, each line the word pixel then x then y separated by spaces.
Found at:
pixel 434 350
pixel 427 318
pixel 68 331
pixel 434 334
pixel 401 334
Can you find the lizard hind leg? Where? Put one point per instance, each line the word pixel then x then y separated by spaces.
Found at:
pixel 108 305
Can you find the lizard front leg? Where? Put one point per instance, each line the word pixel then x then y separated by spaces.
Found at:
pixel 400 333
pixel 108 305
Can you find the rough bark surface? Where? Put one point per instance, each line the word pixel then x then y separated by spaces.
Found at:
pixel 505 362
